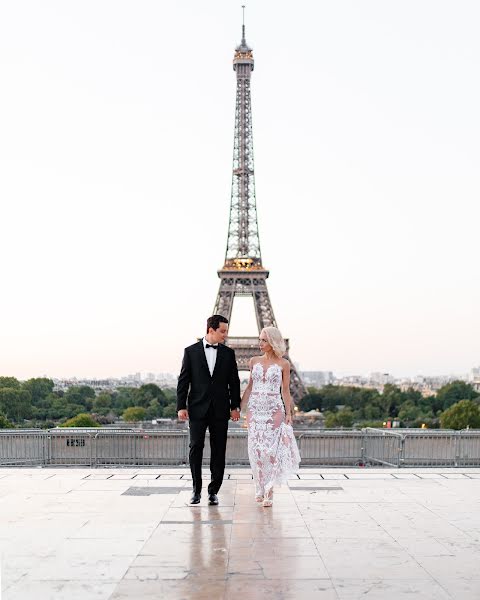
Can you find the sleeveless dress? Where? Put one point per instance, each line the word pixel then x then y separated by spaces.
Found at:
pixel 272 448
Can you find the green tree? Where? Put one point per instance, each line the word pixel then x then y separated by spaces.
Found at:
pixel 15 403
pixel 408 412
pixel 170 411
pixel 154 410
pixel 452 392
pixel 81 420
pixel 134 413
pixel 9 382
pixel 39 388
pixel 5 423
pixel 103 403
pixel 170 394
pixel 325 398
pixel 413 395
pixel 342 418
pixel 461 415
pixel 391 399
pixel 429 404
pixel 42 406
pixel 365 403
pixel 80 394
pixel 311 401
pixel 373 412
pixel 59 409
pixel 148 392
pixel 376 424
pixel 123 398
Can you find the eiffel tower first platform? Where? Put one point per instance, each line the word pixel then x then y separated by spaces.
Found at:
pixel 243 273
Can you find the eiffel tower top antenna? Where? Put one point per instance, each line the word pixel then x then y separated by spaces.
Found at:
pixel 243 24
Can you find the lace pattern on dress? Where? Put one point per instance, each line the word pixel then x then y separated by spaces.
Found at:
pixel 272 448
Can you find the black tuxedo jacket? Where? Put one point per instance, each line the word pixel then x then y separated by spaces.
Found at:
pixel 197 389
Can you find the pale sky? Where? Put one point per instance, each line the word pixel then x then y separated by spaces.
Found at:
pixel 116 136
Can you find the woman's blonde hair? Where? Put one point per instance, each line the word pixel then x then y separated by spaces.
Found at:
pixel 275 339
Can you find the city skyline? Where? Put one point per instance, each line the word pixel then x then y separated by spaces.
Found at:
pixel 117 127
pixel 471 374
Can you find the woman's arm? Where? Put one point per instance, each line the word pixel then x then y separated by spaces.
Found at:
pixel 248 389
pixel 287 399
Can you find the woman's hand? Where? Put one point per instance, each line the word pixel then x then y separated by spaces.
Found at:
pixel 288 419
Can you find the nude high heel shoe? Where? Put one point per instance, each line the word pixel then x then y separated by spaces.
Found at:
pixel 268 499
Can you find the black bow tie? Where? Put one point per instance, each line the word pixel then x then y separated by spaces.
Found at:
pixel 211 346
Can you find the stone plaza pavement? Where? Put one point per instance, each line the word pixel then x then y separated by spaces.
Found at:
pixel 98 534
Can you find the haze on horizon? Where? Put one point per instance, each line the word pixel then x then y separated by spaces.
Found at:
pixel 116 123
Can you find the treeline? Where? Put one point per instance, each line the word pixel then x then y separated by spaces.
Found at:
pixel 35 403
pixel 455 405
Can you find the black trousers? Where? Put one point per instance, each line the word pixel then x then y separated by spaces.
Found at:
pixel 218 443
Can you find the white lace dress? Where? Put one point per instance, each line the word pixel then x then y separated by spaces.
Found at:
pixel 272 448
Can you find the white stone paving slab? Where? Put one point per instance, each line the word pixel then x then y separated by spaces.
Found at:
pixel 28 589
pixel 460 588
pixel 381 589
pixel 370 476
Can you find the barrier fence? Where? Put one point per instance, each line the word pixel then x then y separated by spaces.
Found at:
pixel 320 447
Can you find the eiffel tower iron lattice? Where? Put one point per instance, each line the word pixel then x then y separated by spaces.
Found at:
pixel 243 273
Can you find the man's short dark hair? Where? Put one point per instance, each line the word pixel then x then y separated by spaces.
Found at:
pixel 214 322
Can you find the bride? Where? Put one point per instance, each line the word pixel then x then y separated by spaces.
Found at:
pixel 272 448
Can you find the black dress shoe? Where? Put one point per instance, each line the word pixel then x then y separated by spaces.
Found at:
pixel 213 499
pixel 195 499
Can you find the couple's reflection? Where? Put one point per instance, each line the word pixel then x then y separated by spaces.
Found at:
pixel 208 545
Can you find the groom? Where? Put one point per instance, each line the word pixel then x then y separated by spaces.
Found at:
pixel 208 395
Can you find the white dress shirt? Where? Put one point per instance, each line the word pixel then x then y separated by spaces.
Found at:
pixel 211 355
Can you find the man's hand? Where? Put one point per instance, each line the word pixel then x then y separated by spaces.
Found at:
pixel 183 414
pixel 235 414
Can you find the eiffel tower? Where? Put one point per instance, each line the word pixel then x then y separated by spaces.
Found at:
pixel 243 273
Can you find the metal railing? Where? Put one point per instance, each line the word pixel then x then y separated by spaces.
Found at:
pixel 367 447
pixel 382 447
pixel 331 447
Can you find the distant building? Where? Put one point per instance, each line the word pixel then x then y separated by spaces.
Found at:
pixel 317 378
pixel 381 378
pixel 98 385
pixel 352 380
pixel 163 380
pixel 475 375
pixel 166 380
